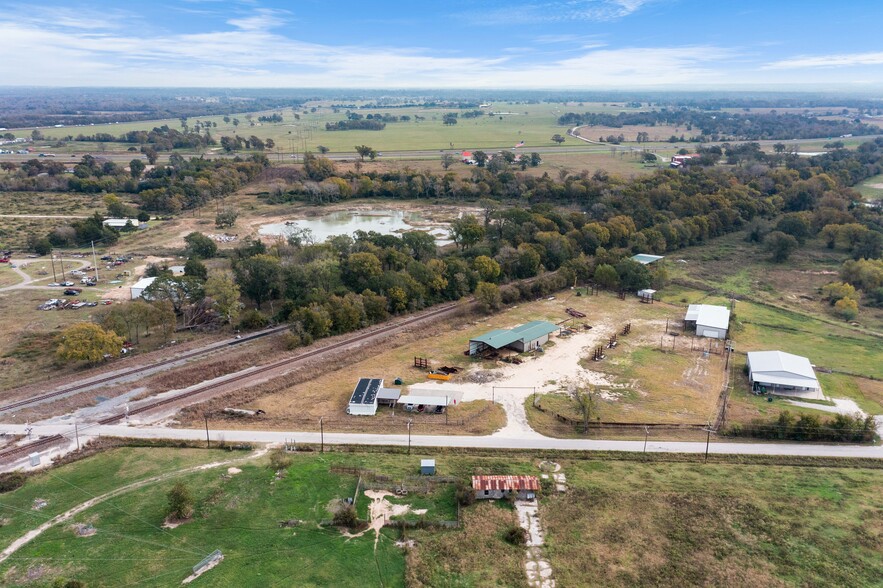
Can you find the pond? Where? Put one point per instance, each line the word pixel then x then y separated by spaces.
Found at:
pixel 346 222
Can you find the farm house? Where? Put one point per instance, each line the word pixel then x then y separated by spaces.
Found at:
pixel 495 487
pixel 137 289
pixel 777 371
pixel 710 321
pixel 364 398
pixel 522 338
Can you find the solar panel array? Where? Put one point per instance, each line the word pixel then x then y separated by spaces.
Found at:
pixel 366 391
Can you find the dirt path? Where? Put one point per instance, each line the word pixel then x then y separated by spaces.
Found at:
pixel 537 567
pixel 544 372
pixel 33 534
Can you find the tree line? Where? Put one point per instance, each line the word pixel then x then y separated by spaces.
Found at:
pixel 726 126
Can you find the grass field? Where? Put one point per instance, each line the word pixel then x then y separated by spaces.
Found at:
pixel 631 525
pixel 533 123
pixel 872 188
pixel 621 523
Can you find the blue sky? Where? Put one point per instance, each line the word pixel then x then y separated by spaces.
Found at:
pixel 544 44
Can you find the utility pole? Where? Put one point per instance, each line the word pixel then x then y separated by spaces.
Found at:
pixel 707 441
pixel 409 436
pixel 321 435
pixel 646 434
pixel 52 259
pixel 94 262
pixel 61 261
pixel 208 442
pixel 77 435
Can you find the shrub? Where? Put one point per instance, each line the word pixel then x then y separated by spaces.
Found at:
pixel 465 494
pixel 180 502
pixel 515 535
pixel 346 516
pixel 279 460
pixel 11 481
pixel 253 319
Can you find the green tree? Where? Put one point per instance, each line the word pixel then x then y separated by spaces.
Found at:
pixel 466 231
pixel 198 245
pixel 606 276
pixel 226 218
pixel 449 118
pixel 195 269
pixel 364 151
pixel 447 160
pixel 259 277
pixel 323 149
pixel 136 168
pixel 361 270
pixel 420 244
pixel 224 293
pixel 180 501
pixel 88 342
pixel 557 138
pixel 780 246
pixel 480 158
pixel 488 297
pixel 488 269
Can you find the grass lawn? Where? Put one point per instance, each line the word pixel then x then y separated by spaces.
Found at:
pixel 645 524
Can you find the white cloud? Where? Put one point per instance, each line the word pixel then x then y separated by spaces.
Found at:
pixel 263 19
pixel 813 61
pixel 254 54
pixel 557 11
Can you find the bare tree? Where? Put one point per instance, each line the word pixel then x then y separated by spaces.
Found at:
pixel 585 396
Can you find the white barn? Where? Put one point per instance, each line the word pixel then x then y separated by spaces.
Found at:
pixel 711 321
pixel 138 287
pixel 364 398
pixel 777 371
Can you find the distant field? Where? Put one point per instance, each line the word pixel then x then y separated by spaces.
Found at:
pixel 658 133
pixel 872 188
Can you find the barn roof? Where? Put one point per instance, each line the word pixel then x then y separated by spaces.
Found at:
pixel 499 338
pixel 708 315
pixel 646 258
pixel 505 483
pixel 784 369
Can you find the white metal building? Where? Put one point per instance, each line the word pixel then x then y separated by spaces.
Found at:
pixel 139 287
pixel 777 371
pixel 364 398
pixel 711 321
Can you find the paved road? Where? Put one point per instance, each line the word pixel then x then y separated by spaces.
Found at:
pixel 487 442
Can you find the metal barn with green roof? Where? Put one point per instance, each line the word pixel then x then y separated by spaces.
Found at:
pixel 521 338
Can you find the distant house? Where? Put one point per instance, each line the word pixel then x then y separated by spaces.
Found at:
pixel 364 398
pixel 177 270
pixel 777 371
pixel 495 487
pixel 466 157
pixel 521 338
pixel 137 289
pixel 646 258
pixel 710 321
pixel 121 223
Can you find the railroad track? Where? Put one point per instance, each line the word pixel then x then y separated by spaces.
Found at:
pixel 277 364
pixel 30 447
pixel 131 372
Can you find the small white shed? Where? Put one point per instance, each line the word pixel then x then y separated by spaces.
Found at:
pixel 711 321
pixel 139 287
pixel 364 398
